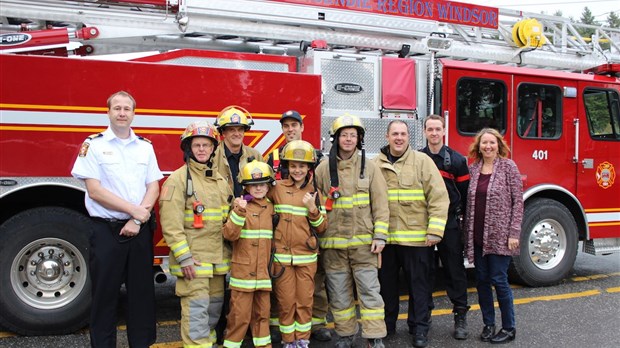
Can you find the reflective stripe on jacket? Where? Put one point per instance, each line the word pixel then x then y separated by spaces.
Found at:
pixel 361 213
pixel 205 244
pixel 250 231
pixel 293 239
pixel 418 197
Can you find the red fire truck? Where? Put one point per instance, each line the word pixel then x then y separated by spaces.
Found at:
pixel 553 94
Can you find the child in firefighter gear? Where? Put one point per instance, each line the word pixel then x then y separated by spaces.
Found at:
pixel 193 206
pixel 292 129
pixel 418 203
pixel 250 229
pixel 232 123
pixel 453 168
pixel 301 218
pixel 357 209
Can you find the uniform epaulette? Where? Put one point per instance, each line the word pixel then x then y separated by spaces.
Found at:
pixel 93 136
pixel 145 139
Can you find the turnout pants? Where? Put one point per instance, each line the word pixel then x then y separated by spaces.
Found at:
pixel 294 291
pixel 319 301
pixel 115 260
pixel 248 309
pixel 201 305
pixel 345 270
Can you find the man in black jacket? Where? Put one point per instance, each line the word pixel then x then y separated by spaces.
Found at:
pixel 453 167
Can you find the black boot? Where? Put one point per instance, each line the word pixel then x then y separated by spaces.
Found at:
pixel 460 323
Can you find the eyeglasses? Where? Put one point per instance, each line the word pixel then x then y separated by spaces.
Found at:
pixel 202 146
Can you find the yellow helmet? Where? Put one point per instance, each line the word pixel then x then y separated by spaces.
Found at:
pixel 200 128
pixel 300 151
pixel 256 172
pixel 234 115
pixel 346 121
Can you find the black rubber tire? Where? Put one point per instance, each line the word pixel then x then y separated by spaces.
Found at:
pixel 549 241
pixel 60 304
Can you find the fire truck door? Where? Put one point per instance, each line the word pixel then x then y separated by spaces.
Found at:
pixel 543 138
pixel 598 152
pixel 475 100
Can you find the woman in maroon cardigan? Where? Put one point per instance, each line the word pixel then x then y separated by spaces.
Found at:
pixel 493 226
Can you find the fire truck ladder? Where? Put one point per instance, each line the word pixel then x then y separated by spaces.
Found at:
pixel 253 25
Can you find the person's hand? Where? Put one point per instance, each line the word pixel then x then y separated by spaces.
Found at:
pixel 188 271
pixel 377 246
pixel 432 240
pixel 309 201
pixel 130 229
pixel 141 212
pixel 513 243
pixel 241 203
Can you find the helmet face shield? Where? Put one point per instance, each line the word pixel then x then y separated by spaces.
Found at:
pixel 256 172
pixel 234 116
pixel 300 151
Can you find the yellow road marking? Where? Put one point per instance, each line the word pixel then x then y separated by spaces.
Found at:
pixel 436 312
pixel 594 276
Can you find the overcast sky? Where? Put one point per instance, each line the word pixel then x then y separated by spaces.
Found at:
pixel 570 8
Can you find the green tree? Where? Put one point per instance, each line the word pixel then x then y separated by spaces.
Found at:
pixel 558 13
pixel 587 18
pixel 613 20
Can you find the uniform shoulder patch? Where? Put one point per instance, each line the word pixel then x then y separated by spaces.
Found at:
pixel 86 144
pixel 145 139
pixel 84 149
pixel 167 192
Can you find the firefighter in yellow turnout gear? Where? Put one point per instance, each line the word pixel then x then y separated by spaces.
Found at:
pixel 232 122
pixel 194 204
pixel 250 229
pixel 357 210
pixel 296 244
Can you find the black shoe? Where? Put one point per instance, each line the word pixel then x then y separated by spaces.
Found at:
pixel 504 336
pixel 487 333
pixel 323 335
pixel 420 340
pixel 274 332
pixel 460 323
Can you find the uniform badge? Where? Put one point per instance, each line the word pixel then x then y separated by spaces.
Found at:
pixel 257 174
pixel 605 175
pixel 84 149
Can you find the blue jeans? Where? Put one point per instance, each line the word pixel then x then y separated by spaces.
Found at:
pixel 493 270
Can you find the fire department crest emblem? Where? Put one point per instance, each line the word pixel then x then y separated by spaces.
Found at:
pixel 257 174
pixel 605 175
pixel 84 149
pixel 235 118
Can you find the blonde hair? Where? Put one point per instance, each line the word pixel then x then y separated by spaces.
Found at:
pixel 502 146
pixel 123 94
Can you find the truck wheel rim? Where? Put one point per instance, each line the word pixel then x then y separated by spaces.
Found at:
pixel 547 244
pixel 48 273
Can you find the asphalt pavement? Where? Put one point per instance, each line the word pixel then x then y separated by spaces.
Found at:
pixel 582 311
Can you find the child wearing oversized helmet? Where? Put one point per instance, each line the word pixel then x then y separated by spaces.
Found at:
pixel 301 217
pixel 193 204
pixel 249 228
